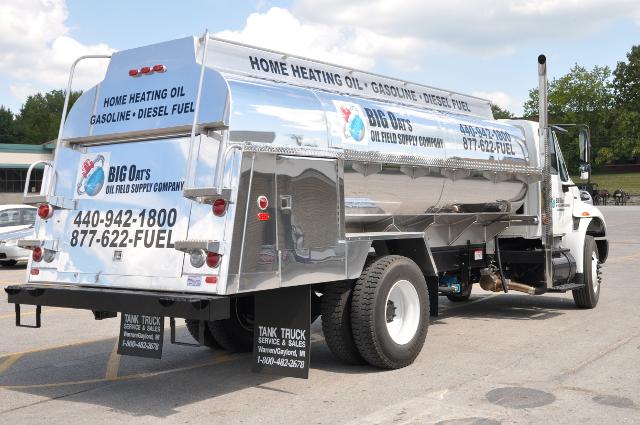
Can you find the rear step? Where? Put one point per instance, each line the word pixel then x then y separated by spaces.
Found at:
pixel 566 287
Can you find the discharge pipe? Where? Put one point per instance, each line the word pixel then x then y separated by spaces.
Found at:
pixel 491 281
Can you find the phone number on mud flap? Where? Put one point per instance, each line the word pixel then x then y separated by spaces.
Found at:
pixel 143 345
pixel 282 362
pixel 124 229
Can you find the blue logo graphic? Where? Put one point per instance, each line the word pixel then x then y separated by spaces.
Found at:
pixel 353 123
pixel 92 176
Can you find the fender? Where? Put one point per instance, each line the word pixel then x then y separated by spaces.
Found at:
pixel 587 220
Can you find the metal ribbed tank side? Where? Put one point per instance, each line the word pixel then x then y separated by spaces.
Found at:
pixel 448 162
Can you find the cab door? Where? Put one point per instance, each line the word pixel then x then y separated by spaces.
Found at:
pixel 562 190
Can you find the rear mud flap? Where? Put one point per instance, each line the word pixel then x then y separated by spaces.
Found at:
pixel 282 332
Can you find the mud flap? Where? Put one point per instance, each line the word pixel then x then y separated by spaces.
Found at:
pixel 282 336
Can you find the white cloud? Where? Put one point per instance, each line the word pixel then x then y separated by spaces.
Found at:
pixel 279 29
pixel 500 98
pixel 36 50
pixel 483 28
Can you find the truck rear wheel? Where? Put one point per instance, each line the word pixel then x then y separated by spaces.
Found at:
pixel 390 312
pixel 193 326
pixel 336 321
pixel 587 297
pixel 235 333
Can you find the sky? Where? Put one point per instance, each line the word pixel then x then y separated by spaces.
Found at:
pixel 487 48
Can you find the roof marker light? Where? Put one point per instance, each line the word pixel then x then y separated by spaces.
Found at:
pixel 159 68
pixel 146 70
pixel 134 72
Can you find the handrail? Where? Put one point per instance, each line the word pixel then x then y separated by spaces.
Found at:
pixel 63 118
pixel 190 173
pixel 25 194
pixel 68 94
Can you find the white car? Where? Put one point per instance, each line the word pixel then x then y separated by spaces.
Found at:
pixel 16 222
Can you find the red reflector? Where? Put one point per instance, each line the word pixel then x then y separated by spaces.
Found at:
pixel 219 207
pixel 263 202
pixel 45 211
pixel 37 254
pixel 134 73
pixel 263 216
pixel 213 259
pixel 159 68
pixel 146 70
pixel 211 279
pixel 35 272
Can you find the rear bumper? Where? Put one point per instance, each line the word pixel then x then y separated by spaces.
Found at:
pixel 188 306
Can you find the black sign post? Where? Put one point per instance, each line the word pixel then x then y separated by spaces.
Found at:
pixel 141 335
pixel 281 344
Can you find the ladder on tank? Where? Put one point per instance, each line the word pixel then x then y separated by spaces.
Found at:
pixel 47 189
pixel 218 190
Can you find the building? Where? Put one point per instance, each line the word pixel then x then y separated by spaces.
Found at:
pixel 14 163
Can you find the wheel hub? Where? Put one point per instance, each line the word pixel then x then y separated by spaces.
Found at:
pixel 391 311
pixel 402 312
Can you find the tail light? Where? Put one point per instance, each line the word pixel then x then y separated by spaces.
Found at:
pixel 213 259
pixel 37 254
pixel 263 202
pixel 263 216
pixel 219 207
pixel 45 211
pixel 197 258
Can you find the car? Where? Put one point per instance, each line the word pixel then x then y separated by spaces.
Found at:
pixel 16 222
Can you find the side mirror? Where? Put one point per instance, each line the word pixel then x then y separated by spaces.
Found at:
pixel 585 153
pixel 585 170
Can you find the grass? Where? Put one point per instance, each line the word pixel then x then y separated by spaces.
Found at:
pixel 629 182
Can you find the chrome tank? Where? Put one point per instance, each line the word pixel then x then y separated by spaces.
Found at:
pixel 397 159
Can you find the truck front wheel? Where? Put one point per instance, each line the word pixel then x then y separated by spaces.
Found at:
pixel 587 297
pixel 390 312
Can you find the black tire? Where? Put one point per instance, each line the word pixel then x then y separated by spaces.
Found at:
pixel 8 263
pixel 336 322
pixel 369 311
pixel 462 296
pixel 235 333
pixel 588 296
pixel 193 326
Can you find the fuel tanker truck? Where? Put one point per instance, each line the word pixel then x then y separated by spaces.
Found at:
pixel 250 191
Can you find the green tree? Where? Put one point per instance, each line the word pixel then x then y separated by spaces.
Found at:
pixel 500 113
pixel 8 132
pixel 39 118
pixel 582 97
pixel 626 81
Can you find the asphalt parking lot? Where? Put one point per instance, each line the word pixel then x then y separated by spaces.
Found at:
pixel 495 359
